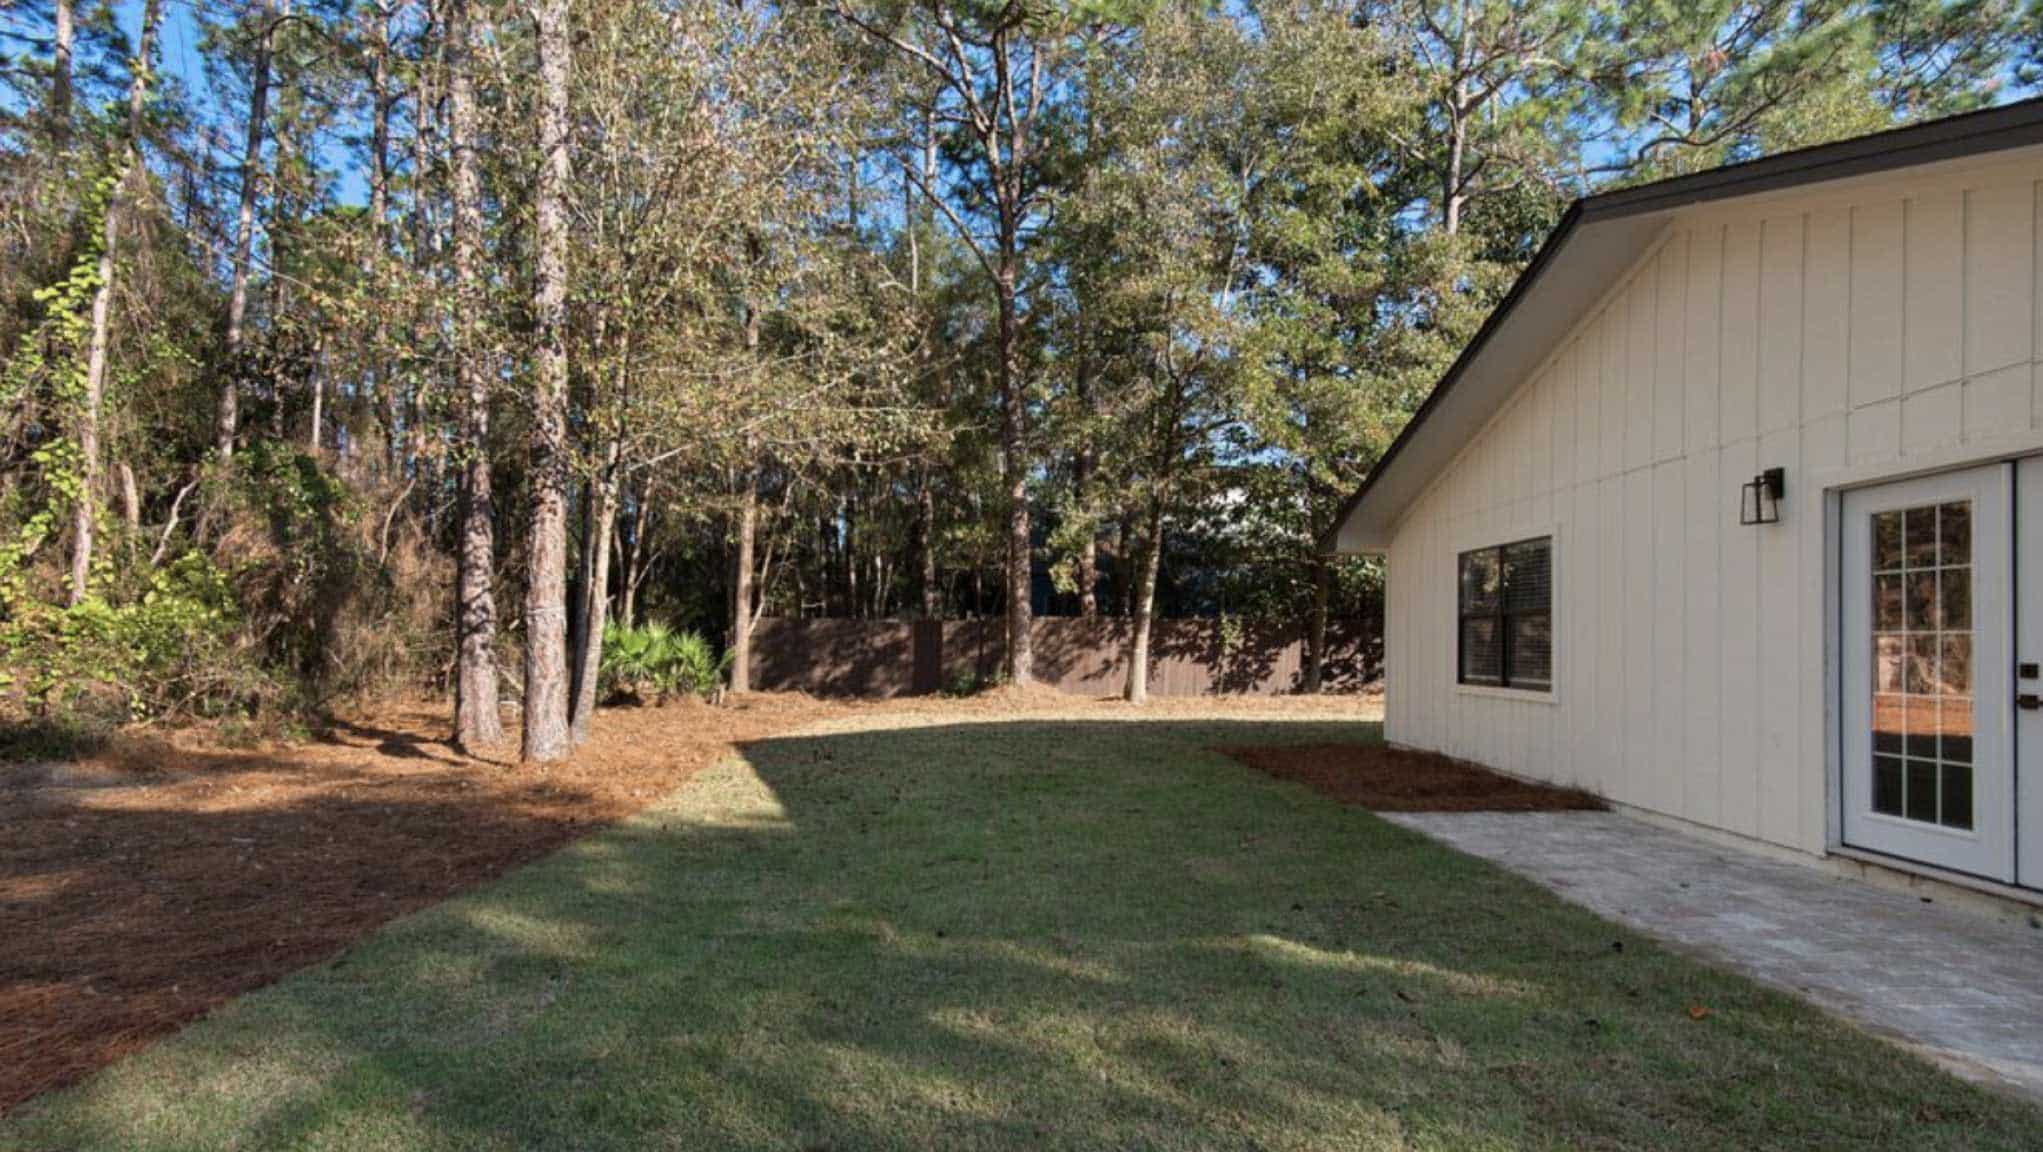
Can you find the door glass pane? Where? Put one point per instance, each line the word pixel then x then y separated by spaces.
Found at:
pixel 1956 670
pixel 1954 727
pixel 1888 725
pixel 1922 672
pixel 1887 542
pixel 1954 600
pixel 1890 660
pixel 1957 803
pixel 1919 538
pixel 1921 590
pixel 1922 791
pixel 1887 785
pixel 1887 602
pixel 1954 534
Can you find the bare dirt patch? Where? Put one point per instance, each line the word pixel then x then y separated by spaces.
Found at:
pixel 1386 779
pixel 147 885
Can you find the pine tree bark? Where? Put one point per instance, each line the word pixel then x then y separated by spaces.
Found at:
pixel 1145 607
pixel 84 508
pixel 382 240
pixel 546 703
pixel 244 226
pixel 1015 471
pixel 477 720
pixel 409 406
pixel 59 108
pixel 925 521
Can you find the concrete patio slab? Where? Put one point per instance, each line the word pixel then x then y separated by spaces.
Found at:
pixel 1956 985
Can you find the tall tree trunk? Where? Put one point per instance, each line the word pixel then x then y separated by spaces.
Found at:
pixel 1088 576
pixel 853 606
pixel 546 712
pixel 1314 672
pixel 1082 468
pixel 244 225
pixel 59 108
pixel 410 408
pixel 318 389
pixel 83 508
pixel 1459 110
pixel 382 239
pixel 925 520
pixel 826 567
pixel 1145 607
pixel 131 506
pixel 920 217
pixel 743 615
pixel 1015 470
pixel 634 561
pixel 1124 565
pixel 283 214
pixel 596 590
pixel 477 722
pixel 742 594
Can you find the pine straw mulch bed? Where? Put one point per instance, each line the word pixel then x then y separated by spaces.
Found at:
pixel 1386 779
pixel 143 887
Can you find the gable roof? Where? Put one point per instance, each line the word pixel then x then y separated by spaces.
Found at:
pixel 1597 240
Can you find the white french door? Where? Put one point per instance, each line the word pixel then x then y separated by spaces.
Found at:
pixel 1928 615
pixel 2028 660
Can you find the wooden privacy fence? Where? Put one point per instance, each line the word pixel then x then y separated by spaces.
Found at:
pixel 880 658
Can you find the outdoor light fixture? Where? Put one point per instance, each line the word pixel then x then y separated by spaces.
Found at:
pixel 1759 501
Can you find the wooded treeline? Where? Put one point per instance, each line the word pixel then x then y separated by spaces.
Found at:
pixel 409 343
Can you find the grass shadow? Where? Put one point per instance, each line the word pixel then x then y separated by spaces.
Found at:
pixel 1016 934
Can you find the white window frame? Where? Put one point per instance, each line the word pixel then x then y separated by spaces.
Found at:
pixel 1476 541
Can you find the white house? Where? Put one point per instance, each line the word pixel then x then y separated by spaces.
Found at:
pixel 1841 343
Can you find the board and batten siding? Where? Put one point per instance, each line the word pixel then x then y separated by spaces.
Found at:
pixel 1882 323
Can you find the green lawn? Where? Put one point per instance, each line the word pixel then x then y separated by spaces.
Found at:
pixel 1031 934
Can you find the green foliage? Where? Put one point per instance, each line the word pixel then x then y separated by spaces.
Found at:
pixel 655 660
pixel 172 652
pixel 43 385
pixel 1244 240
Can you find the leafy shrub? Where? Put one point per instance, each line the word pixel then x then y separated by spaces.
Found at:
pixel 654 660
pixel 170 652
pixel 297 593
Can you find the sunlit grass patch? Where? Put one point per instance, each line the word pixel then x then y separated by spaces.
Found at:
pixel 1020 933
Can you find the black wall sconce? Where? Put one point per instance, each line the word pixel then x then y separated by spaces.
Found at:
pixel 1759 501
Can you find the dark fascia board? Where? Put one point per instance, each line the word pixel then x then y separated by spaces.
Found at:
pixel 1973 133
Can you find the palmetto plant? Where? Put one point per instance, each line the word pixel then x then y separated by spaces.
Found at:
pixel 655 660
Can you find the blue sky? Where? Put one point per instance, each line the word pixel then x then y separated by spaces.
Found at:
pixel 181 58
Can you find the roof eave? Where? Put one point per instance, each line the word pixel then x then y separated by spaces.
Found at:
pixel 1989 130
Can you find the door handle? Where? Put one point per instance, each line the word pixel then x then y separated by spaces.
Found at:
pixel 2029 701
